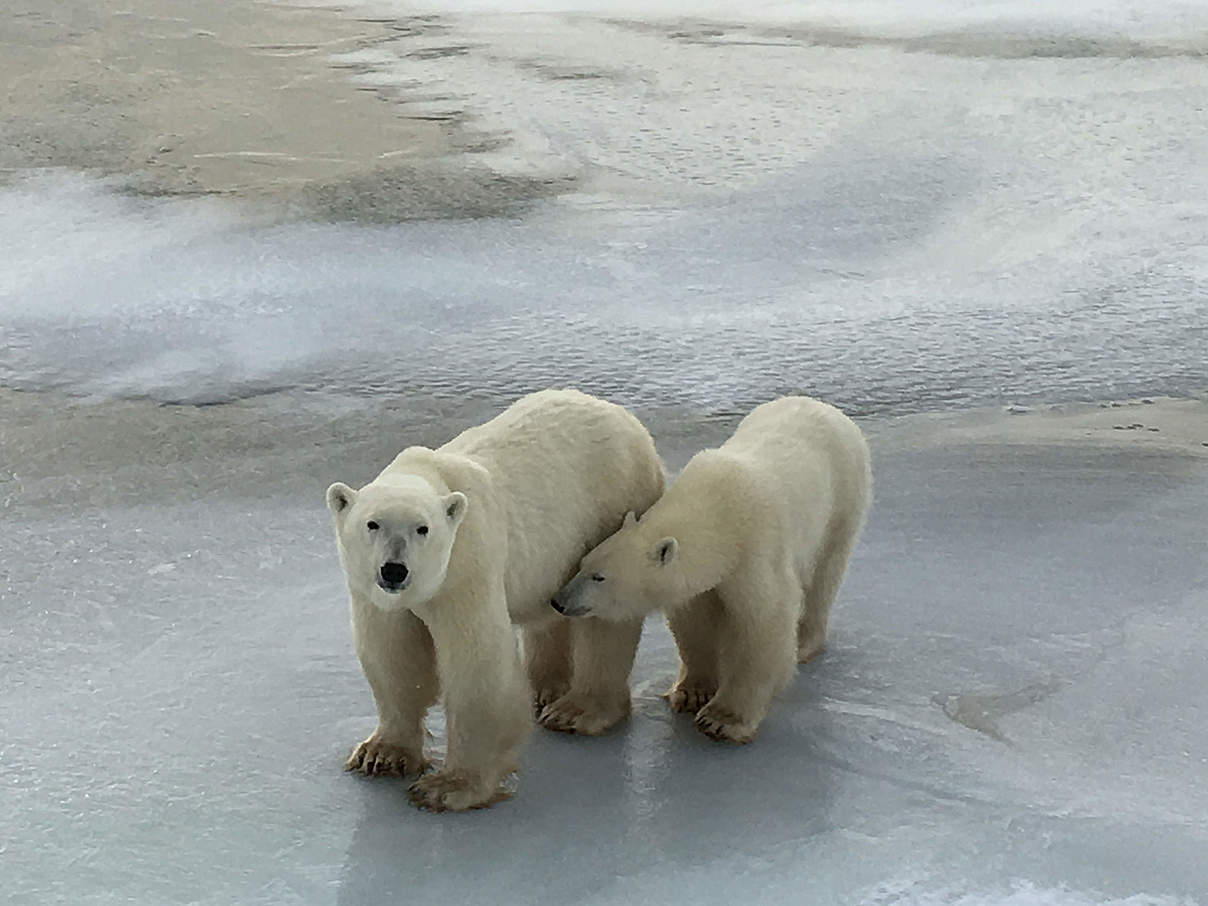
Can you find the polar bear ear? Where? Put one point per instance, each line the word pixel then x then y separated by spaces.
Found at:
pixel 340 497
pixel 455 507
pixel 630 519
pixel 664 552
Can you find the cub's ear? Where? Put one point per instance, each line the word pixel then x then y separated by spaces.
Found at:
pixel 630 519
pixel 455 507
pixel 664 552
pixel 340 497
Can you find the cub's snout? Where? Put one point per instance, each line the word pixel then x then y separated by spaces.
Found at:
pixel 569 601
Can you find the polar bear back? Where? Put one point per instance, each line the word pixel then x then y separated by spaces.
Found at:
pixel 802 470
pixel 565 469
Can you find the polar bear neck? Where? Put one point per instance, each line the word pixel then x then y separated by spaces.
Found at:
pixel 699 511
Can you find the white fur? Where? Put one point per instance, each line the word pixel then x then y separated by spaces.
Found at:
pixel 746 552
pixel 509 509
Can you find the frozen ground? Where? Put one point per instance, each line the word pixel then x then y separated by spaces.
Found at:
pixel 1010 712
pixel 901 207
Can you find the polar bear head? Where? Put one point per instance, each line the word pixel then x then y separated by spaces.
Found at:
pixel 627 575
pixel 395 537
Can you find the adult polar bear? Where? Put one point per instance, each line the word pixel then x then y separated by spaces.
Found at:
pixel 446 548
pixel 746 552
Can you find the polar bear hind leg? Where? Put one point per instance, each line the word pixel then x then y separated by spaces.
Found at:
pixel 821 592
pixel 598 699
pixel 547 660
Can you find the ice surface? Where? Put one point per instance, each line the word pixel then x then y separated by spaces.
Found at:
pixel 717 307
pixel 1010 711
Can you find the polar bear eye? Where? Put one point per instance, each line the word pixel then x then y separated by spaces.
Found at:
pixel 372 526
pixel 596 577
pixel 422 530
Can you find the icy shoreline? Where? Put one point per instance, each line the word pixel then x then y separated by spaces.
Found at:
pixel 711 308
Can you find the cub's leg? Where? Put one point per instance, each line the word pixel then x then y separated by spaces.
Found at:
pixel 599 693
pixel 757 654
pixel 547 659
pixel 397 656
pixel 821 591
pixel 695 626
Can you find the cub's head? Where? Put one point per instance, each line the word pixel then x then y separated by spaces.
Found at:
pixel 627 575
pixel 395 537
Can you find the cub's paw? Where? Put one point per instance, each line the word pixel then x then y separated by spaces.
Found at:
pixel 453 791
pixel 690 695
pixel 589 715
pixel 545 696
pixel 810 647
pixel 724 725
pixel 375 757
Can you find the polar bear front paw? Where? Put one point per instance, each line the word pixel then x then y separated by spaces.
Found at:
pixel 375 757
pixel 453 791
pixel 724 725
pixel 690 695
pixel 589 715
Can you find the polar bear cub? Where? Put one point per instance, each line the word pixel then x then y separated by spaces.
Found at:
pixel 745 551
pixel 447 548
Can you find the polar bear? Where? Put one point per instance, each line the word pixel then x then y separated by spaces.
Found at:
pixel 745 552
pixel 447 548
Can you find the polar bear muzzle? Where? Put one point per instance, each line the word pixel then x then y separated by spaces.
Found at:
pixel 393 576
pixel 570 601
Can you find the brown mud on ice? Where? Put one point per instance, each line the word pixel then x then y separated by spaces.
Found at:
pixel 242 99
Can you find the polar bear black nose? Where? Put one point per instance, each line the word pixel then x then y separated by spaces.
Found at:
pixel 394 573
